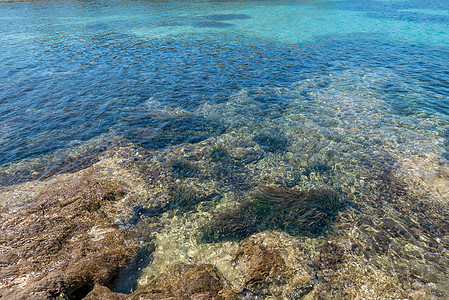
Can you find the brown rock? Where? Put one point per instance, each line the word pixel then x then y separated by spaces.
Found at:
pixel 261 267
pixel 184 281
pixel 63 241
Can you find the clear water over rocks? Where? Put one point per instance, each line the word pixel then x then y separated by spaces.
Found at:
pixel 286 149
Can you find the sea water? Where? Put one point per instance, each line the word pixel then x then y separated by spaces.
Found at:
pixel 347 95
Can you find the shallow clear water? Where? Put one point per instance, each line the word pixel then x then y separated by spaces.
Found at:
pixel 336 94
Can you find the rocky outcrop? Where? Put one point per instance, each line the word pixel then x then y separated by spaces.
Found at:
pixel 63 242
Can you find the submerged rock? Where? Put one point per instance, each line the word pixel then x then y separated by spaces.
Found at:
pixel 272 263
pixel 261 267
pixel 295 212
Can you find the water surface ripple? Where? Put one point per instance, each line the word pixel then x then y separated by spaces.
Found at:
pixel 348 96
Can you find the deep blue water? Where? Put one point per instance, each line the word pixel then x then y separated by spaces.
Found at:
pixel 74 71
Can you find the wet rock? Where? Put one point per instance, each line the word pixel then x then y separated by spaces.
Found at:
pixel 261 267
pixel 292 211
pixel 63 241
pixel 100 292
pixel 183 281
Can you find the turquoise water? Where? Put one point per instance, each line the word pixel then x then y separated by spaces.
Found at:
pixel 72 71
pixel 347 95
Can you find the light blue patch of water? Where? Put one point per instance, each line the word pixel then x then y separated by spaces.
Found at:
pixel 76 70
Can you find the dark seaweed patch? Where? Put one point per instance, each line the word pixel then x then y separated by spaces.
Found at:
pixel 272 143
pixel 182 170
pixel 219 154
pixel 184 200
pixel 251 157
pixel 227 17
pixel 212 24
pixel 295 212
pixel 139 212
pixel 316 168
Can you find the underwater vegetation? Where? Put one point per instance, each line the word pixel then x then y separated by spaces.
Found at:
pixel 139 212
pixel 182 201
pixel 272 143
pixel 292 211
pixel 219 154
pixel 183 170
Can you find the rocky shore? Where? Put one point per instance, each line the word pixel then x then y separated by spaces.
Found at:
pixel 203 221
